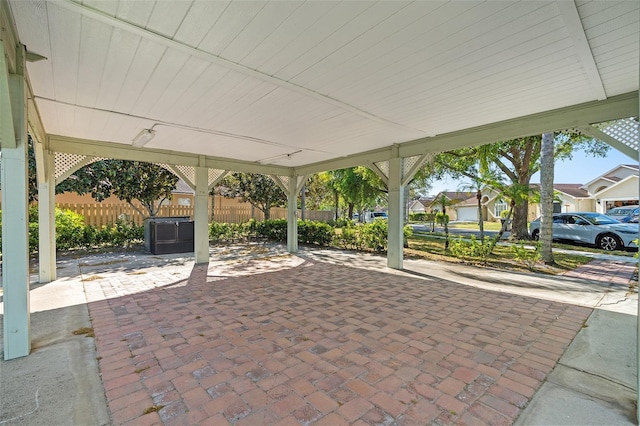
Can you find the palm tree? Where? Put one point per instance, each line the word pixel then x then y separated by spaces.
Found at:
pixel 476 186
pixel 546 197
pixel 444 201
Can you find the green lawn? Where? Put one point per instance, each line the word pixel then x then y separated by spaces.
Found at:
pixel 488 226
pixel 503 257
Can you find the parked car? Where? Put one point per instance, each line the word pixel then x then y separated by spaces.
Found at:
pixel 590 228
pixel 369 217
pixel 624 214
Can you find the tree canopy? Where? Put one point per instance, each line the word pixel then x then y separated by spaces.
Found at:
pixel 359 187
pixel 130 181
pixel 517 160
pixel 259 190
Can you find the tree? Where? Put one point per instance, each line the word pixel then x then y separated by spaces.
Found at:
pixel 546 198
pixel 129 181
pixel 319 195
pixel 476 186
pixel 359 187
pixel 259 190
pixel 518 160
pixel 443 201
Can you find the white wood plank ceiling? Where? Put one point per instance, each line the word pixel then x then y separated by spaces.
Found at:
pixel 299 82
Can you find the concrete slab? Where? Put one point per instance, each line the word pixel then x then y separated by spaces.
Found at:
pixel 59 383
pixel 606 348
pixel 558 405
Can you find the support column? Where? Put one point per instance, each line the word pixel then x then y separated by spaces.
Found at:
pixel 396 201
pixel 45 164
pixel 638 316
pixel 15 218
pixel 201 217
pixel 292 215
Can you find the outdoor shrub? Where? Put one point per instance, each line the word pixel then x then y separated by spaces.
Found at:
pixel 125 234
pixel 341 222
pixel 441 218
pixel 218 232
pixel 525 256
pixel 346 238
pixel 272 229
pixel 370 236
pixel 417 217
pixel 69 229
pixel 470 249
pixel 318 233
pixel 230 232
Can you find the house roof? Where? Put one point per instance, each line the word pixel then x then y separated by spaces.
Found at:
pixel 183 187
pixel 609 175
pixel 573 189
pixel 453 196
pixel 426 201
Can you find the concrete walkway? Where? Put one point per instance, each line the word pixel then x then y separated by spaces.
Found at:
pixel 326 337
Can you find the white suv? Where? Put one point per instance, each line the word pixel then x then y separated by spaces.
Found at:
pixel 369 217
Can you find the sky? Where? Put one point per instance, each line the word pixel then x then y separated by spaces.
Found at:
pixel 581 169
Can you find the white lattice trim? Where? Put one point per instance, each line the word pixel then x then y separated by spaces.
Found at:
pixel 409 162
pixel 65 162
pixel 383 166
pixel 188 172
pixel 214 174
pixel 625 131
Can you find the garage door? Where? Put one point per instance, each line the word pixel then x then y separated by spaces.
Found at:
pixel 467 213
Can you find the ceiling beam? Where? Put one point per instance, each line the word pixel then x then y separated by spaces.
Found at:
pixel 220 61
pixel 576 116
pixel 614 108
pixel 573 24
pixel 8 35
pixel 7 131
pixel 118 151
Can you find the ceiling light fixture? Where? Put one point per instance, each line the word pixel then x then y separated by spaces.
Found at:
pixel 143 138
pixel 34 57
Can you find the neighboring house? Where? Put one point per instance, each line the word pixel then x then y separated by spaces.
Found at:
pixel 420 205
pixel 568 197
pixel 618 187
pixel 492 206
pixel 454 198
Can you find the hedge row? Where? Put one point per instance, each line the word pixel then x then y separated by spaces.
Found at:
pixel 370 236
pixel 71 233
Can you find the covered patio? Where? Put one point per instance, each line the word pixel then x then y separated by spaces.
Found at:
pixel 261 336
pixel 289 89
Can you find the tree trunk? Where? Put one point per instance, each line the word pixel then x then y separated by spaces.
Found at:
pixel 519 230
pixel 336 199
pixel 480 218
pixel 267 211
pixel 546 197
pixel 446 228
pixel 303 206
pixel 350 213
pixel 503 228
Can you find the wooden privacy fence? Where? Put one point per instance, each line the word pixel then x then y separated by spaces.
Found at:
pixel 104 214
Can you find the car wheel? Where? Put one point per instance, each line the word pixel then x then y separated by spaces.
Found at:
pixel 535 235
pixel 608 242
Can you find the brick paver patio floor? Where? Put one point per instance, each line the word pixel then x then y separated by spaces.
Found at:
pixel 325 344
